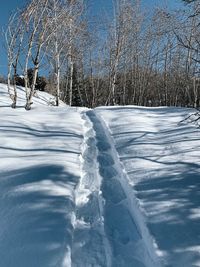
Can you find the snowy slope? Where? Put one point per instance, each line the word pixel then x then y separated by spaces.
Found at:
pixel 39 171
pixel 97 188
pixel 161 158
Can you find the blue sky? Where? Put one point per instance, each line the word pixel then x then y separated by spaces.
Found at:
pixel 8 6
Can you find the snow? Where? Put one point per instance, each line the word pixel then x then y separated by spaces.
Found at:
pixel 161 158
pixel 109 187
pixel 40 169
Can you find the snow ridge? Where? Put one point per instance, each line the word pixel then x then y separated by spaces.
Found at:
pixel 90 244
pixel 124 224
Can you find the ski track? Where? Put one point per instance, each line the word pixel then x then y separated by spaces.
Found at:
pixel 109 229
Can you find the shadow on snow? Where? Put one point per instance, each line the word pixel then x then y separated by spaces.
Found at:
pixel 170 191
pixel 35 210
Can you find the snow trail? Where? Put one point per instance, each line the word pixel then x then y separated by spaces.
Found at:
pixel 90 245
pixel 123 224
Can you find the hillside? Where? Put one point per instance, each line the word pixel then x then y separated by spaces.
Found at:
pixel 113 186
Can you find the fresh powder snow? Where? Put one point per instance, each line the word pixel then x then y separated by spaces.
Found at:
pixel 109 187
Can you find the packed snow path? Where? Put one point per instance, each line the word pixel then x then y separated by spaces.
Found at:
pixel 109 230
pixel 90 246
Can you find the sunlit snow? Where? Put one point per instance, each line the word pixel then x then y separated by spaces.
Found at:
pixel 113 186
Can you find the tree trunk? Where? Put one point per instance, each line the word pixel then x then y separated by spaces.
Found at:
pixel 71 81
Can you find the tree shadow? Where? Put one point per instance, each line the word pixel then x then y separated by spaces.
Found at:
pixel 172 202
pixel 162 162
pixel 25 129
pixel 44 139
pixel 36 205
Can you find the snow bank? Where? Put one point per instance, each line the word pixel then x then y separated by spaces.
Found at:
pixel 40 169
pixel 162 160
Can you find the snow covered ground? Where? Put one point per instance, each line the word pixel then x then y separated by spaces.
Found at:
pixel 161 157
pixel 40 169
pixel 107 187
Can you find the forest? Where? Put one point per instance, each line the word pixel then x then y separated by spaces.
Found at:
pixel 125 56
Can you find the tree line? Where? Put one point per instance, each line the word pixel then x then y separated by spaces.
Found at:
pixel 127 57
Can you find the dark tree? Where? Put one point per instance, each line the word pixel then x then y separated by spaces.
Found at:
pixel 188 1
pixel 41 83
pixel 19 80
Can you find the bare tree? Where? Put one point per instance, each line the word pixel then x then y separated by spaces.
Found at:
pixel 35 19
pixel 14 35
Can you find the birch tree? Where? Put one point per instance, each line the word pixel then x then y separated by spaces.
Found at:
pixel 14 35
pixel 65 28
pixel 36 20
